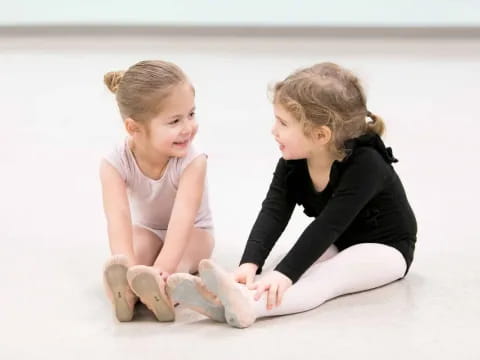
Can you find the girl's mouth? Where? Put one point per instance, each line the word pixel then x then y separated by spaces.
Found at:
pixel 181 143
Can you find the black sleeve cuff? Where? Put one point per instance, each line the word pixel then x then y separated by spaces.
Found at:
pixel 292 274
pixel 253 254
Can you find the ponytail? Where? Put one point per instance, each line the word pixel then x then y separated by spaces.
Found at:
pixel 377 125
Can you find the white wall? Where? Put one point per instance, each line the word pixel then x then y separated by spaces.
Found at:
pixel 246 12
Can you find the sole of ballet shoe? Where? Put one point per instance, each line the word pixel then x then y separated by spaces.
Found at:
pixel 116 280
pixel 147 286
pixel 186 289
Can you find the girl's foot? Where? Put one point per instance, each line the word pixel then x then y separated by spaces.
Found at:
pixel 189 291
pixel 150 288
pixel 117 288
pixel 236 299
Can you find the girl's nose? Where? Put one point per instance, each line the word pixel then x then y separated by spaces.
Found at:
pixel 188 128
pixel 274 130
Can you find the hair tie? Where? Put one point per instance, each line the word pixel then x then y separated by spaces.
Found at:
pixel 371 116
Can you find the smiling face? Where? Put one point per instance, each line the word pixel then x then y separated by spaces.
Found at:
pixel 289 134
pixel 171 132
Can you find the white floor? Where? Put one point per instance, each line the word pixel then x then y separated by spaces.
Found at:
pixel 57 119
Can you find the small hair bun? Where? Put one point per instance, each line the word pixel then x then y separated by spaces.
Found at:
pixel 112 80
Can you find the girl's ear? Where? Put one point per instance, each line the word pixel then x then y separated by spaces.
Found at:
pixel 323 134
pixel 131 126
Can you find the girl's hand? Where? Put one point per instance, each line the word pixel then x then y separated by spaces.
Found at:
pixel 275 284
pixel 163 274
pixel 245 274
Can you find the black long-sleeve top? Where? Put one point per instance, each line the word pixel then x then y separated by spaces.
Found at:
pixel 364 201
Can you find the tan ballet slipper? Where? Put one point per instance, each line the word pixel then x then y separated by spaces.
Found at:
pixel 239 309
pixel 117 288
pixel 149 286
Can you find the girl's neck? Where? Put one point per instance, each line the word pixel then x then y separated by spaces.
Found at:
pixel 150 162
pixel 319 166
pixel 321 163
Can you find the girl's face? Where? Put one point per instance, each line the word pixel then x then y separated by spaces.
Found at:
pixel 173 129
pixel 288 133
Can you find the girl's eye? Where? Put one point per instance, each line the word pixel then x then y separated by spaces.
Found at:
pixel 174 122
pixel 192 114
pixel 282 123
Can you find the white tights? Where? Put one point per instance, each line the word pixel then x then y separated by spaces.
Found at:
pixel 357 268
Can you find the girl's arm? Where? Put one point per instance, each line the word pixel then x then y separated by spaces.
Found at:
pixel 117 211
pixel 276 211
pixel 185 208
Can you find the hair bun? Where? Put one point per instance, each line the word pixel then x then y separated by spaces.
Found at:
pixel 112 80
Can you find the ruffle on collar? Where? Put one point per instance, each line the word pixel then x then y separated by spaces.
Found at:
pixel 297 172
pixel 369 140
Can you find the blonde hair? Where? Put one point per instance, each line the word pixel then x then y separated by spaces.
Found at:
pixel 141 90
pixel 326 94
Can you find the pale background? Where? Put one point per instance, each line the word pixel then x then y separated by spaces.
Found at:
pixel 57 119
